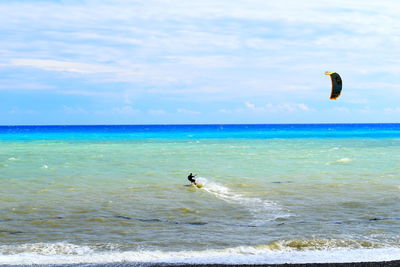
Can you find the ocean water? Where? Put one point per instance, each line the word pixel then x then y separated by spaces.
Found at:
pixel 271 194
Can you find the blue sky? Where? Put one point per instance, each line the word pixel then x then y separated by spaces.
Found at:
pixel 209 61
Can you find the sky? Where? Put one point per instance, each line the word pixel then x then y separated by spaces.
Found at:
pixel 201 62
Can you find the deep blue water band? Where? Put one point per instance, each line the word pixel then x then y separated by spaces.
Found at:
pixel 252 131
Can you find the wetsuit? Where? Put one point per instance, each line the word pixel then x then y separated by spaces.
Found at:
pixel 190 178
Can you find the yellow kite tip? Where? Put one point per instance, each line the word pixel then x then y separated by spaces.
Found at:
pixel 328 73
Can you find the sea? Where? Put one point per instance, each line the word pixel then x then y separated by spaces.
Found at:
pixel 290 193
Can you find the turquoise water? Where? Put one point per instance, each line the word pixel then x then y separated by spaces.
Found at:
pixel 271 193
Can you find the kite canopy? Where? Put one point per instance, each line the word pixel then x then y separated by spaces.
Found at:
pixel 336 84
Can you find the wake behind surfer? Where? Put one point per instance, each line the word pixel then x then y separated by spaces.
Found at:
pixel 191 178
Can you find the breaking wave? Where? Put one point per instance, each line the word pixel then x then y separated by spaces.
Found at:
pixel 278 252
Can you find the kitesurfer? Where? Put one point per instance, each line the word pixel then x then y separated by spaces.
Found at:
pixel 191 178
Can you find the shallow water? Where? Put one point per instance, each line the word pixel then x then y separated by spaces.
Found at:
pixel 271 193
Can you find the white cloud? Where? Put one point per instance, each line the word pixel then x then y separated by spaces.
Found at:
pixel 125 110
pixel 342 109
pixel 21 111
pixel 226 111
pixel 271 108
pixel 393 110
pixel 205 61
pixel 365 109
pixel 74 110
pixel 89 93
pixel 198 51
pixel 98 73
pixel 15 85
pixel 187 111
pixel 303 107
pixel 157 112
pixel 77 67
pixel 165 42
pixel 250 106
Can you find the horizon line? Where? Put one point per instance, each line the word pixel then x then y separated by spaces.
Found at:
pixel 194 124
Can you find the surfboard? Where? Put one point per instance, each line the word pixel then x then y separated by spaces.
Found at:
pixel 192 185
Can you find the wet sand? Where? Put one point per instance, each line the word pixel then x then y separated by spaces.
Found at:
pixel 351 264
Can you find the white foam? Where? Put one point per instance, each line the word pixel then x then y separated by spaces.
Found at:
pixel 340 161
pixel 343 160
pixel 63 253
pixel 12 159
pixel 46 249
pixel 262 210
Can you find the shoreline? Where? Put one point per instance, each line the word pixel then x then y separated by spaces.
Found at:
pixel 393 263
